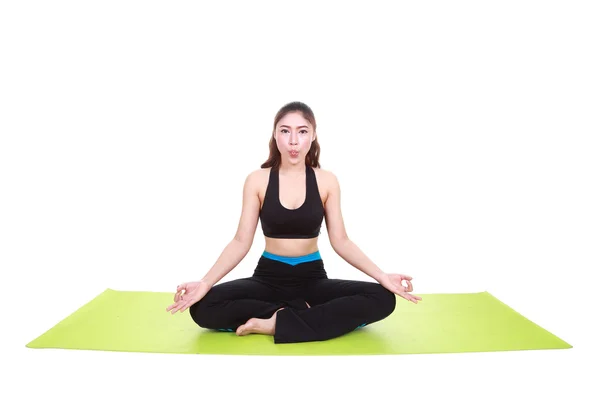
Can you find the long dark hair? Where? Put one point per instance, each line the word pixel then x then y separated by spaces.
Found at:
pixel 312 158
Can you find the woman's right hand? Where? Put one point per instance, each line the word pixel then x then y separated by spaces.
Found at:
pixel 187 294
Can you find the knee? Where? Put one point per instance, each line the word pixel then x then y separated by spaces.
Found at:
pixel 386 301
pixel 204 316
pixel 199 313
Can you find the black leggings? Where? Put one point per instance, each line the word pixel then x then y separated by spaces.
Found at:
pixel 336 306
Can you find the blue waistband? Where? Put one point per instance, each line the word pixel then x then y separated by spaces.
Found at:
pixel 293 260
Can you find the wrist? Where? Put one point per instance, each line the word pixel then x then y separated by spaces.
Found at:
pixel 206 283
pixel 379 276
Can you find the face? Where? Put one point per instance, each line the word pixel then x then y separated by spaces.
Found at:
pixel 294 135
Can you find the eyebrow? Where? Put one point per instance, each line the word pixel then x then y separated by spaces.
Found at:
pixel 301 126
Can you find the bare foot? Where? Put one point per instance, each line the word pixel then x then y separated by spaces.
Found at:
pixel 258 325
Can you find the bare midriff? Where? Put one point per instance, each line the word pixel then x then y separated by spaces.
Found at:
pixel 291 247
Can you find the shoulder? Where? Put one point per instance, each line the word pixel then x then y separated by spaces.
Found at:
pixel 257 175
pixel 257 178
pixel 325 174
pixel 327 178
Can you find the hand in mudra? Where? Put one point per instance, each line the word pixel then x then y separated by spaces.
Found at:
pixel 393 283
pixel 187 294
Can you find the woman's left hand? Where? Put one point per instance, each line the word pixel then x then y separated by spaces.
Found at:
pixel 393 283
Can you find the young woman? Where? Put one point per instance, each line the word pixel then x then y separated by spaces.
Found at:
pixel 289 295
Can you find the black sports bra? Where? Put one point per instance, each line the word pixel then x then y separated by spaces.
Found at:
pixel 302 222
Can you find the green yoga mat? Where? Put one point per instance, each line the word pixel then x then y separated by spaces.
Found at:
pixel 441 323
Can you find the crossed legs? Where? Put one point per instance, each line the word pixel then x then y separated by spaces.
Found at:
pixel 320 310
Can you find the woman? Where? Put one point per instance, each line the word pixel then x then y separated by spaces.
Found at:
pixel 289 295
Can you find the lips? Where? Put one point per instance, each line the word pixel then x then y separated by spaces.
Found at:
pixel 294 153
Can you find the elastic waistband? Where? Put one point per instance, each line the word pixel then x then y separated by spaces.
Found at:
pixel 290 271
pixel 293 260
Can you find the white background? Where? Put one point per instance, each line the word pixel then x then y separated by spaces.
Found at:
pixel 464 136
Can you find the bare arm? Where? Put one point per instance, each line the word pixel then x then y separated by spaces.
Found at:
pixel 338 237
pixel 240 245
pixel 231 256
